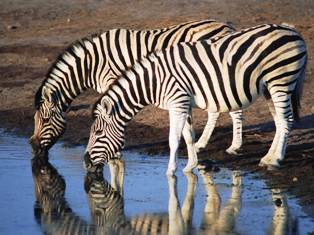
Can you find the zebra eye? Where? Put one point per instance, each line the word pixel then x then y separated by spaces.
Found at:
pixel 46 119
pixel 98 132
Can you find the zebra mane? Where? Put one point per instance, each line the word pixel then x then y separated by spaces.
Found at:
pixel 68 50
pixel 38 98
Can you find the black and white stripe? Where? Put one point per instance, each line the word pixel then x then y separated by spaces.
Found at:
pixel 96 62
pixel 107 206
pixel 220 75
pixel 52 211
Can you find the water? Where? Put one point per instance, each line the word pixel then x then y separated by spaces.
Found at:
pixel 224 202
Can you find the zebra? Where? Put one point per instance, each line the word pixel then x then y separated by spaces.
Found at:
pixel 218 75
pixel 96 61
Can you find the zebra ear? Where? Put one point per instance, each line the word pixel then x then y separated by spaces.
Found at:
pixel 107 106
pixel 48 95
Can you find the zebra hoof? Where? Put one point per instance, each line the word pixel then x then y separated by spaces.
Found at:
pixel 207 165
pixel 273 167
pixel 189 168
pixel 234 151
pixel 171 171
pixel 269 166
pixel 198 147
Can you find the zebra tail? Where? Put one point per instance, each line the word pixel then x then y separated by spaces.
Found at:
pixel 296 97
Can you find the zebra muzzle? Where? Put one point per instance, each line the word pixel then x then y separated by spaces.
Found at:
pixel 37 150
pixel 90 167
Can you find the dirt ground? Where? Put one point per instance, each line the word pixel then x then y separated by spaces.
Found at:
pixel 34 32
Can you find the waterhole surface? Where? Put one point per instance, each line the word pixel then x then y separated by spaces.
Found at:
pixel 58 197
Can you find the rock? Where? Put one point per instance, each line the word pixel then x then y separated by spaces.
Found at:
pixel 12 27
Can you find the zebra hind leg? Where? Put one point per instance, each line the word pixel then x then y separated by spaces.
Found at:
pixel 237 117
pixel 208 130
pixel 273 113
pixel 283 121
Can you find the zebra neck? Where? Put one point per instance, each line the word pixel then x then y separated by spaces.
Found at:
pixel 59 96
pixel 136 89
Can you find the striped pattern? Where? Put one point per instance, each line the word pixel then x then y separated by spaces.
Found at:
pixel 220 75
pixel 54 215
pixel 96 62
pixel 107 206
pixel 52 212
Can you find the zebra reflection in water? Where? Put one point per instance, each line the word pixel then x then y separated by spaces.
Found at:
pixel 51 210
pixel 282 222
pixel 54 215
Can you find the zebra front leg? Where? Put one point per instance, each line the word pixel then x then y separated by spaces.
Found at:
pixel 237 117
pixel 283 121
pixel 189 137
pixel 177 122
pixel 208 130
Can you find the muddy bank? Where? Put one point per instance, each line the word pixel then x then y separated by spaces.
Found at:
pixel 33 33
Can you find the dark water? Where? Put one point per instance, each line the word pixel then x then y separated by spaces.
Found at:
pixel 224 202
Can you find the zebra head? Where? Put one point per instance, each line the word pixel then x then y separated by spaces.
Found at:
pixel 107 133
pixel 50 123
pixel 49 184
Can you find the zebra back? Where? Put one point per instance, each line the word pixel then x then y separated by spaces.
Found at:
pixel 95 61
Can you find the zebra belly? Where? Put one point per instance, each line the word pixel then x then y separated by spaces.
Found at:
pixel 244 104
pixel 222 107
